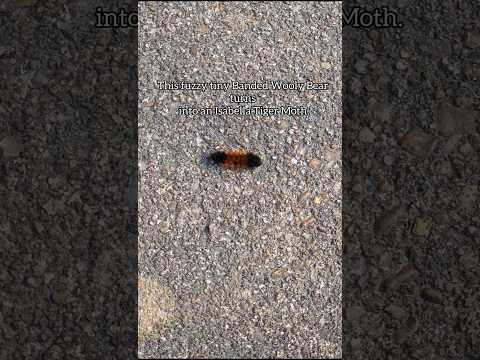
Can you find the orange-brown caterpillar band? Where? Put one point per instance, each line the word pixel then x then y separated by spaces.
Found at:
pixel 235 159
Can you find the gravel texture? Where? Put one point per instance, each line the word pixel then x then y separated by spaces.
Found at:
pixel 248 264
pixel 68 115
pixel 411 184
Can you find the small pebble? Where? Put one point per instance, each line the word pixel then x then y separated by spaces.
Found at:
pixel 388 160
pixel 401 65
pixel 313 164
pixel 361 66
pixel 432 296
pixel 320 198
pixel 325 65
pixel 422 227
pixel 366 135
pixel 394 281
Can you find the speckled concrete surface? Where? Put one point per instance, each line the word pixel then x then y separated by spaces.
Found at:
pixel 248 264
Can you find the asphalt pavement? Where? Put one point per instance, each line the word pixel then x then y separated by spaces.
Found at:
pixel 240 263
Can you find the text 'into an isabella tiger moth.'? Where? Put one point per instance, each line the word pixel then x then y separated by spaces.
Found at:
pixel 235 160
